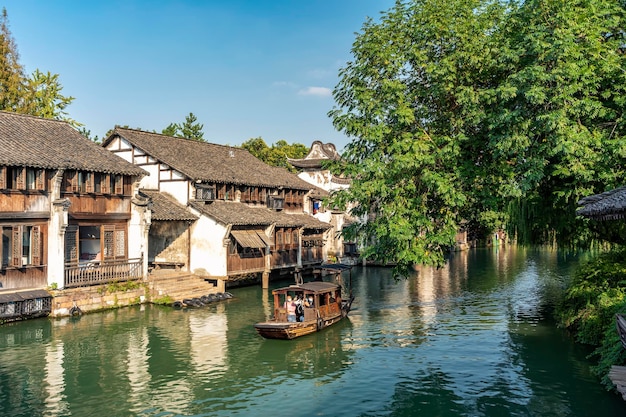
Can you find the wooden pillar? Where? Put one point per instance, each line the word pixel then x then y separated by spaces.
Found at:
pixel 265 280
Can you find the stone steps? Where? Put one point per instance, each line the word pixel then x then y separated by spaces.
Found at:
pixel 180 285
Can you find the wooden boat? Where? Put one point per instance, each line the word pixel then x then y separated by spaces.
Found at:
pixel 327 309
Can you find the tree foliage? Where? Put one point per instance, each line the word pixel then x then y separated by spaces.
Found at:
pixel 11 71
pixel 38 94
pixel 596 293
pixel 189 129
pixel 479 112
pixel 277 154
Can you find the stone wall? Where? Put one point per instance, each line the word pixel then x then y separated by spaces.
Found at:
pixel 90 299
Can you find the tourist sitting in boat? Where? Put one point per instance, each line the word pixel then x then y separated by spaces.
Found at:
pixel 308 302
pixel 299 302
pixel 291 310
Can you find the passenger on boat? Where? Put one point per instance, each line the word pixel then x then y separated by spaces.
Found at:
pixel 308 302
pixel 291 310
pixel 299 308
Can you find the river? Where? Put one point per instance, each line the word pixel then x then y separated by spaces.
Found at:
pixel 475 338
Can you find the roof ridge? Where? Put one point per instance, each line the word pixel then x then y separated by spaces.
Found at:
pixel 30 116
pixel 178 137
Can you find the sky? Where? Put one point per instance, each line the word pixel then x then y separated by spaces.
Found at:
pixel 244 68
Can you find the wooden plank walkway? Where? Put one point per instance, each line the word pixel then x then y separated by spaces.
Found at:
pixel 617 374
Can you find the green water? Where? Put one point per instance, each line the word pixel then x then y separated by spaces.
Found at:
pixel 472 339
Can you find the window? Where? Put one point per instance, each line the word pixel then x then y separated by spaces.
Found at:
pixel 99 242
pixel 21 246
pixel 97 183
pixel 117 184
pixel 205 193
pixel 114 245
pixel 105 183
pixel 275 202
pixel 16 178
pixel 85 182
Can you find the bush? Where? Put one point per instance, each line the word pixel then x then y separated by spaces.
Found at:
pixel 597 292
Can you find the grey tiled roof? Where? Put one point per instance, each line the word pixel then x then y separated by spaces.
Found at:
pixel 610 205
pixel 44 143
pixel 202 161
pixel 165 207
pixel 240 214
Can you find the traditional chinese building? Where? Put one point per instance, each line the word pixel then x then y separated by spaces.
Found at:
pixel 234 216
pixel 68 212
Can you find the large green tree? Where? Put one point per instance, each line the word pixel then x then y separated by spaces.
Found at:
pixel 472 111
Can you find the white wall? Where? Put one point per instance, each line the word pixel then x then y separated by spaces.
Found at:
pixel 208 253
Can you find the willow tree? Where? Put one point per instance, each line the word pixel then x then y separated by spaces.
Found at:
pixel 458 109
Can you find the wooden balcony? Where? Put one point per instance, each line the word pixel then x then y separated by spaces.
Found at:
pixel 96 273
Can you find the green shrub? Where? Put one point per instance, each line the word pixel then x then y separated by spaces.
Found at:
pixel 597 292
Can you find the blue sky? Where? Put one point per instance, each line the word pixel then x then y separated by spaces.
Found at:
pixel 245 68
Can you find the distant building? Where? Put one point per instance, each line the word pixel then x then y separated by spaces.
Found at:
pixel 312 169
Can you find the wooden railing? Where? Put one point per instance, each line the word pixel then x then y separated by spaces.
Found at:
pixel 94 273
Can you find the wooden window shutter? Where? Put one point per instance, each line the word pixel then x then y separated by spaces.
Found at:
pixel 20 178
pixel 119 184
pixel 105 184
pixel 3 177
pixel 36 245
pixel 71 244
pixel 16 250
pixel 40 179
pixel 72 177
pixel 88 177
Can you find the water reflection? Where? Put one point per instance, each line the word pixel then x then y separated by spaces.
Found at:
pixel 471 339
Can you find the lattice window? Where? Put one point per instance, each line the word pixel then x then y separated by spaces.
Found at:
pixel 205 193
pixel 16 247
pixel 114 242
pixel 109 242
pixel 120 243
pixel 71 244
pixel 36 245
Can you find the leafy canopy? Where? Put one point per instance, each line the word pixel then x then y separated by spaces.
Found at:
pixel 479 113
pixel 38 94
pixel 189 129
pixel 277 154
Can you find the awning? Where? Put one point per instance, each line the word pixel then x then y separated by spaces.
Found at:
pixel 251 238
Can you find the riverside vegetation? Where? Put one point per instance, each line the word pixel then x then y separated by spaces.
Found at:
pixel 597 292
